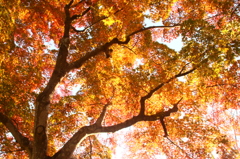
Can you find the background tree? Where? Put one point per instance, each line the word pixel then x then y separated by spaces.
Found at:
pixel 73 69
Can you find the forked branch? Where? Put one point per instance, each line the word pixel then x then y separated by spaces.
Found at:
pixel 150 93
pixel 167 113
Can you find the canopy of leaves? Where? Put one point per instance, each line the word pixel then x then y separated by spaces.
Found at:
pixel 76 68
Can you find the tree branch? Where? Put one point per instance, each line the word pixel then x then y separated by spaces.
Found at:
pixel 69 4
pixel 102 115
pixel 72 6
pixel 150 93
pixel 174 109
pixel 153 27
pixel 164 127
pixel 188 156
pixel 85 131
pixel 78 63
pixel 222 84
pixel 185 73
pixel 22 140
pixel 80 15
pixel 81 31
pixel 132 121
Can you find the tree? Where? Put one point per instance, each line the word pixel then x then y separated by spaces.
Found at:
pixel 73 69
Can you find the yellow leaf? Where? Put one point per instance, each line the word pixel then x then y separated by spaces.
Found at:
pixel 109 21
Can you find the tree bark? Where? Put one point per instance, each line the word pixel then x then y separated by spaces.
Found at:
pixel 22 140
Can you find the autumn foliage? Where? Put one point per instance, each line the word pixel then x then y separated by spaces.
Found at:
pixel 73 70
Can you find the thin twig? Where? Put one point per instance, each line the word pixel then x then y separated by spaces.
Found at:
pixel 179 147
